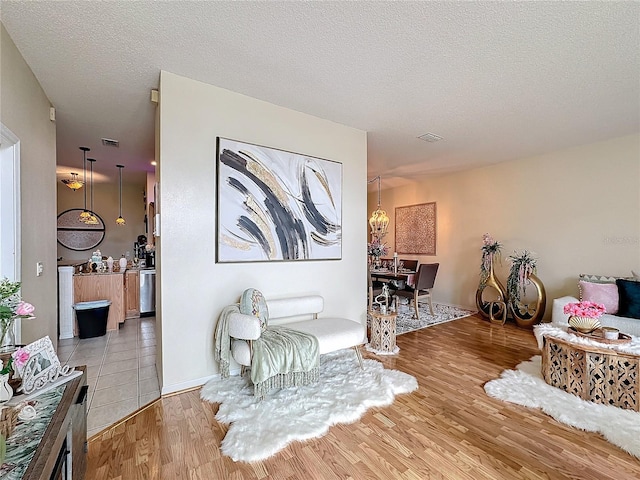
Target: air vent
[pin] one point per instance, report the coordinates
(107, 142)
(430, 137)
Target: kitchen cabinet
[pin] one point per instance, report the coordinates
(132, 293)
(102, 286)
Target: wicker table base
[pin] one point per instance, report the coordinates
(597, 374)
(383, 333)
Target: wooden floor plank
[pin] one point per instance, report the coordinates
(449, 428)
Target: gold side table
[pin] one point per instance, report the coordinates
(383, 333)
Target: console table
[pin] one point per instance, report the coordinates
(61, 451)
(597, 374)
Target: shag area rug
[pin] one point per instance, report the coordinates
(259, 429)
(405, 322)
(525, 386)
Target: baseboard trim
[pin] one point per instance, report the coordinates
(192, 384)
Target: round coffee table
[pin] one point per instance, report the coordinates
(383, 333)
(594, 373)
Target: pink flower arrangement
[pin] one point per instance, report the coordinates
(25, 309)
(19, 357)
(584, 309)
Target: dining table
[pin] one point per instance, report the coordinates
(388, 275)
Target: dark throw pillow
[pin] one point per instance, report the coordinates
(629, 292)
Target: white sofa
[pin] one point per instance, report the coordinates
(298, 313)
(624, 324)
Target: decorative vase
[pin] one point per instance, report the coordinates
(123, 264)
(495, 310)
(584, 324)
(7, 334)
(527, 315)
(6, 392)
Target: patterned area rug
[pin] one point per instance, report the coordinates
(406, 322)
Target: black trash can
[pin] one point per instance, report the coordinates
(92, 318)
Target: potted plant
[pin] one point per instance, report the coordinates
(490, 251)
(523, 273)
(523, 265)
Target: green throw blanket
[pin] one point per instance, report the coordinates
(282, 357)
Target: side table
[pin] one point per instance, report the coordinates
(383, 333)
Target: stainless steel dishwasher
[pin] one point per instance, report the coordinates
(147, 291)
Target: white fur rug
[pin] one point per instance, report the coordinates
(259, 429)
(525, 386)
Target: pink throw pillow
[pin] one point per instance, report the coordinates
(605, 293)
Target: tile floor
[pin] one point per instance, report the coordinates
(121, 370)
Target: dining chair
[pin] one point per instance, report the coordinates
(410, 265)
(425, 280)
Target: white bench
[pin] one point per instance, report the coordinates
(298, 313)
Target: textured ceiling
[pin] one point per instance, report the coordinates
(497, 80)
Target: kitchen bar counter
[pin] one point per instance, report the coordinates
(102, 286)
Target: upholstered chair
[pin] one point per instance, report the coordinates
(410, 264)
(425, 280)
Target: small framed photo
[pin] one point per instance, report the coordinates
(42, 367)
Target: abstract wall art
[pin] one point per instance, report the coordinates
(276, 205)
(416, 229)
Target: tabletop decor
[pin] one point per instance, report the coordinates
(11, 308)
(19, 358)
(276, 205)
(42, 366)
(584, 315)
(377, 249)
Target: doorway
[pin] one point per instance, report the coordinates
(10, 211)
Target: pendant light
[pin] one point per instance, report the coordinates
(120, 220)
(85, 213)
(379, 220)
(74, 183)
(92, 220)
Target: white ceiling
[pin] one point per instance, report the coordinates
(497, 80)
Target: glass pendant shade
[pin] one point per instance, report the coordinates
(120, 220)
(92, 220)
(85, 214)
(74, 183)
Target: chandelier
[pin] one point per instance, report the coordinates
(120, 220)
(379, 221)
(74, 183)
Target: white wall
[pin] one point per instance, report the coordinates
(195, 288)
(578, 209)
(25, 111)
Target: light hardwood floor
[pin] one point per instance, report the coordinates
(449, 428)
